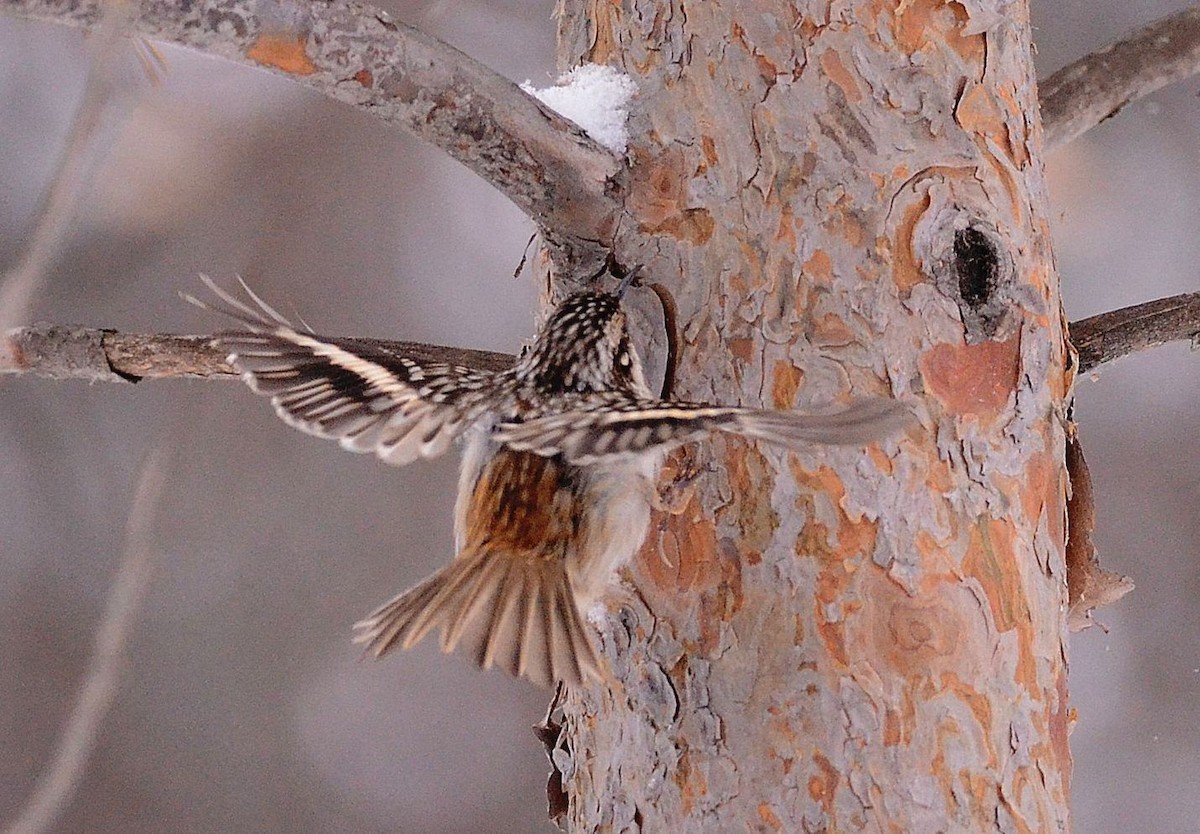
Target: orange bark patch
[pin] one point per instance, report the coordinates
(718, 607)
(1042, 489)
(753, 480)
(992, 560)
(785, 234)
(881, 460)
(768, 817)
(819, 267)
(919, 634)
(832, 330)
(916, 637)
(283, 52)
(607, 19)
(766, 69)
(853, 537)
(682, 567)
(979, 705)
(971, 48)
(898, 722)
(891, 728)
(843, 223)
(658, 198)
(693, 225)
(922, 22)
(743, 349)
(831, 585)
(836, 71)
(658, 192)
(1061, 718)
(687, 562)
(364, 77)
(972, 380)
(907, 272)
(979, 113)
(823, 479)
(691, 782)
(1016, 145)
(840, 552)
(787, 378)
(822, 787)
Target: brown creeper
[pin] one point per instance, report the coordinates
(558, 474)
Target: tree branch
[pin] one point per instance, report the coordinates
(19, 284)
(108, 356)
(56, 785)
(99, 355)
(1084, 93)
(1110, 336)
(357, 54)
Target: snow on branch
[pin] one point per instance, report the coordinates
(1084, 93)
(356, 54)
(595, 97)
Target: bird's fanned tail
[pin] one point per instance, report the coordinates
(515, 613)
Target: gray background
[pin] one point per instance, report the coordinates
(244, 708)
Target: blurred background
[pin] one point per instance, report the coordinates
(244, 708)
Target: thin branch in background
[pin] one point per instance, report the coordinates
(1084, 93)
(546, 165)
(56, 785)
(19, 285)
(1111, 335)
(96, 355)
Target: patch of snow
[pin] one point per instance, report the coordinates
(595, 97)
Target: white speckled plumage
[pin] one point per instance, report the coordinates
(561, 457)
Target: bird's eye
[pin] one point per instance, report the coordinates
(623, 360)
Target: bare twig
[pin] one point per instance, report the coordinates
(357, 54)
(1110, 336)
(21, 282)
(108, 356)
(55, 786)
(99, 355)
(1084, 93)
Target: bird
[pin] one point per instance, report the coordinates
(558, 478)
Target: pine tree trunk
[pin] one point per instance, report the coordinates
(842, 199)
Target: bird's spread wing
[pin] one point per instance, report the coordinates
(613, 425)
(369, 398)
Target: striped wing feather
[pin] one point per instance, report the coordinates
(370, 399)
(613, 425)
